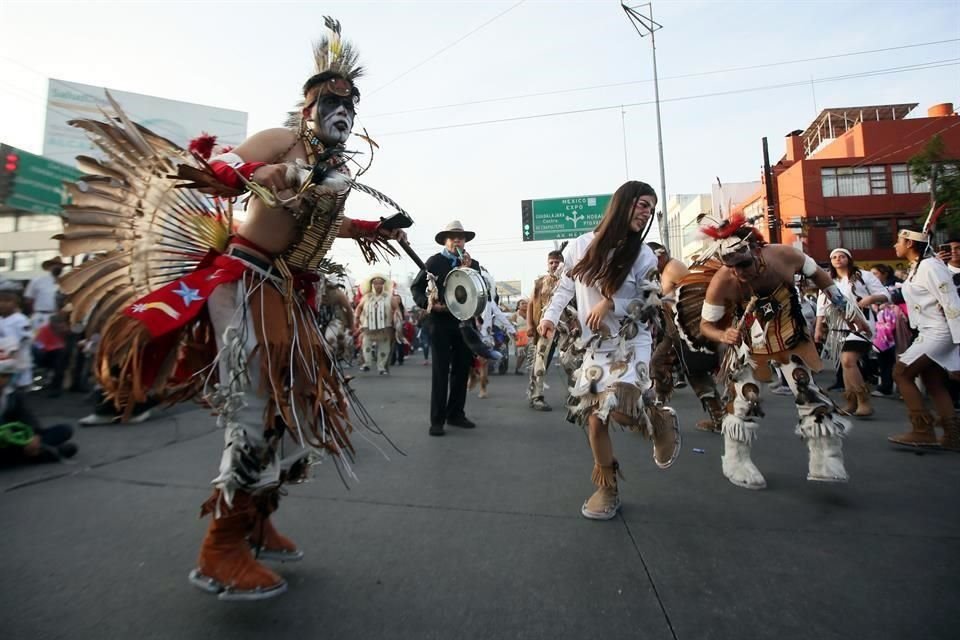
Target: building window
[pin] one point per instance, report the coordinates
(39, 223)
(828, 180)
(6, 261)
(857, 235)
(8, 224)
(878, 181)
(903, 181)
(853, 181)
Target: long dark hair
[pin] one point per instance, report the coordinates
(599, 267)
(853, 271)
(889, 279)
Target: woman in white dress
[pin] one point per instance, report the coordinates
(608, 271)
(865, 290)
(934, 311)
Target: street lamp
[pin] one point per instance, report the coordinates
(646, 25)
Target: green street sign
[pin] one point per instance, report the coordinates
(561, 218)
(35, 184)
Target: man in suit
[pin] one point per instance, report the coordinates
(451, 356)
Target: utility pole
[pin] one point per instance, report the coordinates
(647, 26)
(773, 220)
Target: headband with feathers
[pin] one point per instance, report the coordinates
(726, 228)
(330, 53)
(926, 234)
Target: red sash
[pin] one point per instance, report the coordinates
(173, 306)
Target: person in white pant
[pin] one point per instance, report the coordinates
(752, 305)
(933, 307)
(375, 317)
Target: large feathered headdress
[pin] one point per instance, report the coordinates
(729, 237)
(334, 56)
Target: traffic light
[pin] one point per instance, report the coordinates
(9, 162)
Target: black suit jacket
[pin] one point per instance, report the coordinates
(439, 265)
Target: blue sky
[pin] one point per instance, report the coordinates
(253, 56)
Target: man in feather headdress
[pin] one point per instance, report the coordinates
(231, 317)
(752, 306)
(375, 320)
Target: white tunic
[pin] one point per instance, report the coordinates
(43, 291)
(605, 354)
(934, 311)
(376, 312)
(870, 286)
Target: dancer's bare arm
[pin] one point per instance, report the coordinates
(721, 292)
(673, 272)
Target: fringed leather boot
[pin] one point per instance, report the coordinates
(921, 433)
(863, 402)
(270, 544)
(226, 565)
(951, 433)
(605, 501)
(716, 412)
(850, 395)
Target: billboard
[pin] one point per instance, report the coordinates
(177, 121)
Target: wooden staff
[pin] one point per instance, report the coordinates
(729, 355)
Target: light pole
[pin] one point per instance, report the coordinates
(646, 25)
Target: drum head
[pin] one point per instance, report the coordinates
(465, 293)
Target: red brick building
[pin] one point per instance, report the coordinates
(844, 181)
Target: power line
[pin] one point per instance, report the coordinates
(877, 72)
(449, 46)
(676, 77)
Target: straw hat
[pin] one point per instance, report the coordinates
(455, 227)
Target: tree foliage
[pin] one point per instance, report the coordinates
(931, 164)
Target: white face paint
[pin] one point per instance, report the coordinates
(335, 120)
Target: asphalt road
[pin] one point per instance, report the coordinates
(478, 534)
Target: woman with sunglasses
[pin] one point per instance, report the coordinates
(867, 290)
(608, 272)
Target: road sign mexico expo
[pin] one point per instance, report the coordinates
(561, 218)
